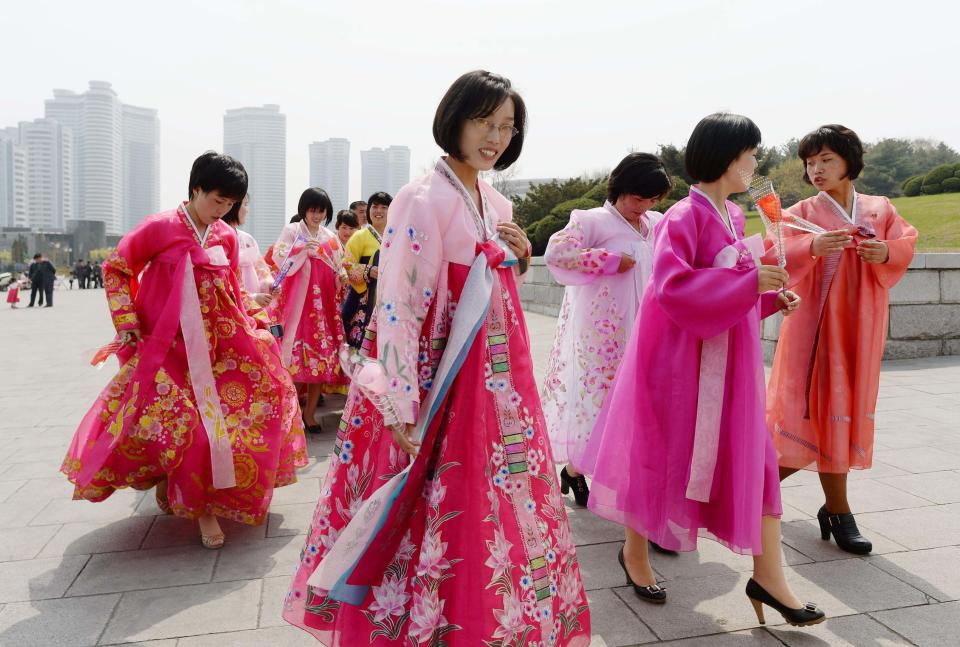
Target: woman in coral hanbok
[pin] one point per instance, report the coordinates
(826, 372)
(202, 407)
(469, 543)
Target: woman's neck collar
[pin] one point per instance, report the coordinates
(191, 211)
(716, 191)
(843, 195)
(464, 172)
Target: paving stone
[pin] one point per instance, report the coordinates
(845, 631)
(17, 514)
(712, 558)
(40, 491)
(753, 638)
(271, 603)
(38, 579)
(933, 571)
(938, 487)
(271, 557)
(168, 530)
(74, 622)
(920, 459)
(287, 636)
(929, 527)
(147, 643)
(119, 506)
(306, 490)
(24, 543)
(284, 520)
(34, 469)
(898, 439)
(9, 487)
(145, 569)
(612, 621)
(804, 537)
(588, 528)
(89, 538)
(185, 611)
(934, 625)
(851, 586)
(864, 497)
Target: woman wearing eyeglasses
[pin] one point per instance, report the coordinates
(469, 545)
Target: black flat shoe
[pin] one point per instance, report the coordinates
(660, 549)
(311, 429)
(844, 529)
(806, 615)
(655, 594)
(579, 484)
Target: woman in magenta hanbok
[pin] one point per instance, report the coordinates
(202, 408)
(308, 258)
(604, 256)
(681, 443)
(472, 545)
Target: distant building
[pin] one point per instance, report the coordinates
(384, 170)
(13, 179)
(330, 170)
(141, 164)
(48, 157)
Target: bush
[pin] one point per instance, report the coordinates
(932, 189)
(913, 185)
(598, 193)
(939, 174)
(951, 185)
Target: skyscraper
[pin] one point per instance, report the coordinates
(330, 170)
(141, 164)
(13, 179)
(384, 170)
(49, 173)
(258, 138)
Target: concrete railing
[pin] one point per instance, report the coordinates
(924, 307)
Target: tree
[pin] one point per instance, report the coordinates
(787, 178)
(673, 161)
(541, 198)
(18, 249)
(913, 186)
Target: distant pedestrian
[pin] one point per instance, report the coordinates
(46, 276)
(36, 287)
(13, 292)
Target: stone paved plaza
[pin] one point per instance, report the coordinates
(118, 572)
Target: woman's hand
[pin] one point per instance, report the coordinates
(873, 251)
(374, 272)
(515, 238)
(263, 299)
(789, 301)
(771, 277)
(830, 242)
(403, 436)
(626, 264)
(130, 337)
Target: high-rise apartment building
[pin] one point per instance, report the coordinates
(330, 170)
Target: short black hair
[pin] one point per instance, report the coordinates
(380, 197)
(478, 94)
(716, 142)
(233, 216)
(641, 174)
(841, 140)
(313, 198)
(348, 218)
(214, 171)
(37, 255)
(357, 203)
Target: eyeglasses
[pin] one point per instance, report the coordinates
(506, 131)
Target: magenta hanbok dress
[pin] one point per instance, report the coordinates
(681, 444)
(596, 317)
(480, 552)
(308, 306)
(203, 400)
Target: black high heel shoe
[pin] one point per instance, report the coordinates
(844, 530)
(805, 616)
(581, 493)
(660, 549)
(654, 594)
(310, 428)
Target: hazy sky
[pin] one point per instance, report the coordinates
(599, 78)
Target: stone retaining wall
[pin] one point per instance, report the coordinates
(924, 307)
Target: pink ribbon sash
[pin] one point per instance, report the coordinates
(713, 374)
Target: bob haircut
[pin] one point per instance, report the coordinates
(380, 197)
(716, 142)
(233, 216)
(841, 140)
(356, 204)
(348, 218)
(641, 174)
(213, 171)
(478, 94)
(313, 198)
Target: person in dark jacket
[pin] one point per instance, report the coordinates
(46, 276)
(35, 285)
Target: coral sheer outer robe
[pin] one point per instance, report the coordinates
(826, 372)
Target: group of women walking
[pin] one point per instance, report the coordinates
(442, 518)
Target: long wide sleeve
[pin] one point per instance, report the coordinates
(123, 266)
(570, 258)
(702, 300)
(409, 270)
(357, 272)
(901, 239)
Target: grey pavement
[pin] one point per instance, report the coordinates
(75, 573)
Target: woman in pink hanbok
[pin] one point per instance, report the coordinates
(604, 256)
(468, 544)
(202, 408)
(308, 256)
(681, 443)
(255, 275)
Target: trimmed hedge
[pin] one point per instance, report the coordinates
(932, 189)
(913, 185)
(939, 174)
(951, 185)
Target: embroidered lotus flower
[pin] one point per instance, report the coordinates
(510, 619)
(406, 549)
(435, 493)
(569, 591)
(499, 559)
(426, 615)
(389, 599)
(432, 561)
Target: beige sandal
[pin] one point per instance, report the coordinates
(163, 502)
(213, 542)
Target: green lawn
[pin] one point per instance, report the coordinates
(937, 217)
